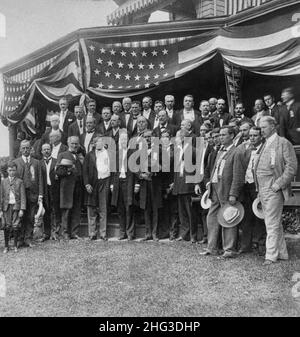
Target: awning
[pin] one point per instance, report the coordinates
(131, 6)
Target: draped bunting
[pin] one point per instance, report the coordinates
(123, 69)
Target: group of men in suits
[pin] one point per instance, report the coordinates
(86, 153)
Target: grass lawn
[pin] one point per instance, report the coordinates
(83, 278)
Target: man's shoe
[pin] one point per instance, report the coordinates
(54, 237)
(205, 253)
(155, 238)
(93, 238)
(130, 238)
(28, 244)
(147, 238)
(244, 251)
(229, 255)
(103, 238)
(5, 251)
(268, 262)
(123, 237)
(171, 238)
(203, 241)
(75, 237)
(193, 241)
(180, 238)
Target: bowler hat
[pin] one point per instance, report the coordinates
(257, 209)
(231, 215)
(66, 162)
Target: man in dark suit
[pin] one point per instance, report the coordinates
(126, 113)
(115, 129)
(87, 138)
(239, 113)
(252, 227)
(66, 117)
(205, 114)
(147, 112)
(274, 109)
(71, 188)
(182, 189)
(77, 128)
(164, 125)
(223, 190)
(29, 170)
(52, 216)
(158, 106)
(188, 112)
(150, 193)
(220, 116)
(132, 121)
(212, 105)
(91, 111)
(96, 177)
(122, 188)
(290, 117)
(170, 104)
(105, 126)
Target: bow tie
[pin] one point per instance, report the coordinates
(135, 118)
(127, 112)
(47, 160)
(90, 131)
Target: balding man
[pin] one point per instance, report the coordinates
(28, 169)
(274, 171)
(56, 144)
(54, 126)
(170, 104)
(126, 102)
(164, 125)
(212, 105)
(259, 109)
(66, 117)
(78, 126)
(71, 188)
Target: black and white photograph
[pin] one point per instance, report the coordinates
(150, 161)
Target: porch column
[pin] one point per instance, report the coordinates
(12, 135)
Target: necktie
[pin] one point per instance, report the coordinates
(47, 160)
(80, 124)
(27, 179)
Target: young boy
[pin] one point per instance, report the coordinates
(12, 205)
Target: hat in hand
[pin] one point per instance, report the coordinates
(205, 200)
(257, 209)
(230, 216)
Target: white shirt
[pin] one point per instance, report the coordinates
(146, 113)
(181, 153)
(249, 172)
(62, 117)
(122, 170)
(80, 128)
(115, 131)
(103, 165)
(156, 122)
(106, 124)
(12, 199)
(220, 164)
(55, 150)
(48, 171)
(189, 115)
(258, 117)
(88, 138)
(170, 113)
(26, 159)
